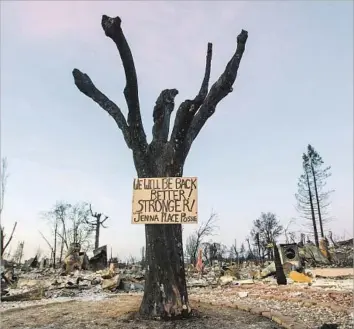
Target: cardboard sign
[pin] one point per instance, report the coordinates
(165, 200)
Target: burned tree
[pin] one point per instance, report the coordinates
(319, 176)
(195, 239)
(3, 244)
(75, 230)
(305, 197)
(52, 253)
(279, 271)
(96, 225)
(3, 176)
(53, 217)
(165, 286)
(17, 257)
(235, 253)
(265, 230)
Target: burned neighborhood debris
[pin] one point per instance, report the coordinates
(99, 259)
(95, 278)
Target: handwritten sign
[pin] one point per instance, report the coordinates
(167, 200)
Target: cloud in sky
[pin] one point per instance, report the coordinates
(294, 87)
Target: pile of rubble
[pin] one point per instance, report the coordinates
(50, 283)
(81, 276)
(77, 276)
(297, 261)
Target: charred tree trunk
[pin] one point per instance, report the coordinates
(258, 247)
(165, 292)
(55, 243)
(96, 224)
(3, 245)
(312, 211)
(317, 200)
(2, 250)
(97, 233)
(279, 271)
(62, 245)
(165, 283)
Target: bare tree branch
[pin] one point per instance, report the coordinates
(9, 240)
(193, 242)
(112, 28)
(106, 217)
(162, 114)
(45, 239)
(84, 83)
(63, 240)
(90, 207)
(220, 89)
(207, 228)
(96, 224)
(188, 108)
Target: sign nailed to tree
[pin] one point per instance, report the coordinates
(167, 200)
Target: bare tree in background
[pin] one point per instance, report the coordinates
(288, 234)
(131, 260)
(292, 237)
(195, 239)
(17, 257)
(77, 230)
(142, 251)
(266, 229)
(305, 198)
(234, 251)
(52, 217)
(50, 247)
(96, 225)
(39, 252)
(250, 254)
(60, 211)
(69, 224)
(7, 253)
(242, 252)
(163, 157)
(319, 176)
(4, 175)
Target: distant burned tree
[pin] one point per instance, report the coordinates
(250, 254)
(131, 260)
(319, 176)
(266, 229)
(52, 253)
(213, 251)
(96, 224)
(17, 257)
(143, 261)
(165, 285)
(68, 226)
(242, 252)
(196, 238)
(54, 218)
(4, 243)
(235, 252)
(39, 252)
(312, 200)
(77, 231)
